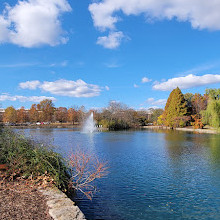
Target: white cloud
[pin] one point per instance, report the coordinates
(202, 14)
(77, 88)
(107, 88)
(32, 23)
(63, 87)
(186, 82)
(8, 97)
(32, 85)
(145, 80)
(155, 103)
(111, 41)
(150, 100)
(136, 86)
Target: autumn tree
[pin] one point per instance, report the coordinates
(199, 103)
(10, 115)
(72, 115)
(22, 115)
(46, 108)
(175, 109)
(33, 113)
(61, 114)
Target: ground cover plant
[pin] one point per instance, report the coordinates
(30, 160)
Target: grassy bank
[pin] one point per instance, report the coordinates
(27, 159)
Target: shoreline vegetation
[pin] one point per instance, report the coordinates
(24, 159)
(206, 129)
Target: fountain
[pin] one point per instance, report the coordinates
(89, 125)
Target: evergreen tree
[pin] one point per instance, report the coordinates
(175, 109)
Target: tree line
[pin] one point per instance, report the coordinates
(181, 110)
(115, 116)
(191, 109)
(45, 111)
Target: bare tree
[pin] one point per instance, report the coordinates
(85, 169)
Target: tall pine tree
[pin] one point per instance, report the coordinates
(176, 107)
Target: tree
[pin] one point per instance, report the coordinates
(213, 93)
(72, 115)
(155, 113)
(33, 113)
(211, 115)
(176, 107)
(199, 103)
(188, 97)
(22, 115)
(10, 115)
(46, 108)
(61, 114)
(85, 169)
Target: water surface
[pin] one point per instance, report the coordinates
(152, 174)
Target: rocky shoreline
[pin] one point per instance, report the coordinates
(22, 200)
(60, 206)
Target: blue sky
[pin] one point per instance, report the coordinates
(91, 52)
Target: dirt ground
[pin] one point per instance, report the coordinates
(21, 201)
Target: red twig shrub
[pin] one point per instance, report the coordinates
(85, 169)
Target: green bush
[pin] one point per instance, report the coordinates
(27, 158)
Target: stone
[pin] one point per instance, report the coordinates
(60, 206)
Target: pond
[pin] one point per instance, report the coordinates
(152, 174)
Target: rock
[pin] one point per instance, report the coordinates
(60, 206)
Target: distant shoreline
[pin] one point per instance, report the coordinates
(205, 130)
(156, 127)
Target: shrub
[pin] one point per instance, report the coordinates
(26, 158)
(197, 122)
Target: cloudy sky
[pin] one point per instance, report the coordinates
(93, 51)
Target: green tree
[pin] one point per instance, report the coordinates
(175, 109)
(155, 113)
(213, 93)
(211, 115)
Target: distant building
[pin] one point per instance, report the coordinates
(2, 111)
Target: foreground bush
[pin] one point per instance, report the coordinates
(27, 159)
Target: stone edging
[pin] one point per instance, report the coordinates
(60, 206)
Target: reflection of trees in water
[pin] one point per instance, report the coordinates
(215, 148)
(183, 143)
(190, 148)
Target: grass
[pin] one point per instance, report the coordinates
(26, 159)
